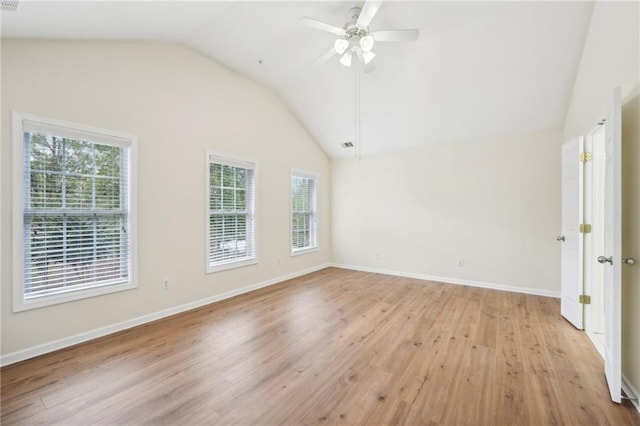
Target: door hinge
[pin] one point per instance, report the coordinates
(585, 156)
(584, 299)
(585, 228)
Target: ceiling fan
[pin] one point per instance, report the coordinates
(355, 38)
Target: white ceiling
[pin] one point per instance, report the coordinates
(479, 70)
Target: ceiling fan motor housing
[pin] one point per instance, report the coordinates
(354, 13)
(354, 33)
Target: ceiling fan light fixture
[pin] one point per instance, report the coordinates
(341, 45)
(366, 43)
(368, 56)
(346, 58)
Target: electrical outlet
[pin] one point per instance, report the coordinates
(164, 283)
(378, 256)
(461, 262)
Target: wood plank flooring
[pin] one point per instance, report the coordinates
(332, 347)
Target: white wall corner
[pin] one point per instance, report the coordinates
(631, 391)
(458, 281)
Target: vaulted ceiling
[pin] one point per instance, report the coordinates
(479, 70)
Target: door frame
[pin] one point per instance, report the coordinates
(572, 242)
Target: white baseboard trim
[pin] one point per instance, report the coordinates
(447, 280)
(110, 329)
(597, 341)
(631, 392)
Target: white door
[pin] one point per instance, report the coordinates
(594, 171)
(612, 256)
(571, 283)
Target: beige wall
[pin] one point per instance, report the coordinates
(179, 104)
(494, 204)
(611, 58)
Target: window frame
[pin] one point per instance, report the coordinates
(305, 175)
(214, 157)
(93, 134)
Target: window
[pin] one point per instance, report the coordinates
(231, 237)
(303, 212)
(73, 217)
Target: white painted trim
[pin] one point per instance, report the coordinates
(459, 281)
(631, 391)
(230, 160)
(100, 135)
(17, 234)
(299, 252)
(304, 174)
(316, 191)
(71, 296)
(110, 329)
(597, 343)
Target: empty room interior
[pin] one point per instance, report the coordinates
(310, 212)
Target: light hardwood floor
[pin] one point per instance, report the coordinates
(335, 346)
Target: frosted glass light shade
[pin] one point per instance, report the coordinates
(367, 56)
(346, 59)
(341, 45)
(366, 43)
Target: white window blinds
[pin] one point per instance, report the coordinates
(231, 213)
(303, 211)
(76, 210)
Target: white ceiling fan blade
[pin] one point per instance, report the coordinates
(396, 35)
(368, 12)
(325, 57)
(367, 66)
(319, 25)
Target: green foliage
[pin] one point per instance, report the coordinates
(66, 172)
(229, 220)
(302, 190)
(67, 247)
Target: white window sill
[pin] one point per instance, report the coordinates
(298, 252)
(230, 265)
(54, 299)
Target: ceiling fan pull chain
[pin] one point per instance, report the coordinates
(357, 113)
